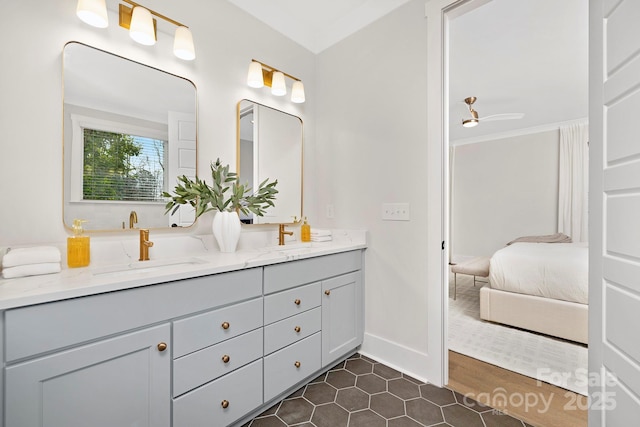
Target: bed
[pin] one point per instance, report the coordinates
(542, 287)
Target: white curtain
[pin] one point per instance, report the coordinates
(574, 181)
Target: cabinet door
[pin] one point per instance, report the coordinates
(342, 321)
(121, 381)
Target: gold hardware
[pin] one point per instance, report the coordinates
(225, 404)
(133, 219)
(327, 292)
(281, 233)
(145, 244)
(226, 358)
(297, 329)
(162, 346)
(297, 302)
(225, 325)
(297, 364)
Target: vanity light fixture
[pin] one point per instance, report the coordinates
(261, 74)
(140, 23)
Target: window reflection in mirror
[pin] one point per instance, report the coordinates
(270, 147)
(129, 132)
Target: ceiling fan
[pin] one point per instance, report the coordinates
(474, 119)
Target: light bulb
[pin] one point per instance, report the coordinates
(297, 92)
(255, 77)
(278, 87)
(142, 30)
(93, 12)
(183, 44)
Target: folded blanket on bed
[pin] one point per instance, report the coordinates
(549, 238)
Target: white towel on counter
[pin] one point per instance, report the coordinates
(34, 255)
(319, 232)
(321, 238)
(31, 270)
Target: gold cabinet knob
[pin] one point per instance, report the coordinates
(224, 404)
(162, 346)
(297, 302)
(226, 358)
(225, 325)
(297, 364)
(327, 292)
(297, 329)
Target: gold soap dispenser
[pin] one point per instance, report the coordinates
(78, 246)
(305, 231)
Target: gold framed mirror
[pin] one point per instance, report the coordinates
(129, 131)
(270, 146)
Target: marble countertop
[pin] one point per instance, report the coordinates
(114, 266)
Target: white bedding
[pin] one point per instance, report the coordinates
(551, 270)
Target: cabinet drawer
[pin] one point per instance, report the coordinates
(281, 334)
(287, 275)
(45, 327)
(287, 303)
(203, 330)
(280, 370)
(208, 364)
(241, 390)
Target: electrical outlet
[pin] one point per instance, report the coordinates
(396, 212)
(330, 213)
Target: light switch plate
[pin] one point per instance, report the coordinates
(396, 212)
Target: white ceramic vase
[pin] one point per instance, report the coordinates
(226, 229)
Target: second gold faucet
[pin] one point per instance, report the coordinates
(145, 244)
(281, 233)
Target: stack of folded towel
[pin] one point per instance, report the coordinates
(33, 261)
(320, 235)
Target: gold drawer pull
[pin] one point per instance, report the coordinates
(226, 358)
(297, 302)
(297, 329)
(162, 346)
(224, 404)
(225, 325)
(327, 292)
(297, 364)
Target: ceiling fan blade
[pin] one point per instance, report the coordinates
(504, 116)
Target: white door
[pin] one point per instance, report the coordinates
(614, 277)
(182, 161)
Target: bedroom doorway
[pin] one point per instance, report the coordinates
(481, 343)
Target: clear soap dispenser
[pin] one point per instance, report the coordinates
(305, 231)
(78, 246)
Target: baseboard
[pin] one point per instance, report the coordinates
(396, 356)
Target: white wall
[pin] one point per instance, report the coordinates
(503, 189)
(226, 40)
(371, 149)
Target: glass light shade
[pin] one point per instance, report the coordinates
(469, 123)
(297, 92)
(278, 87)
(255, 77)
(141, 29)
(93, 12)
(183, 44)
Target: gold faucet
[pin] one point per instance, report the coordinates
(281, 233)
(133, 218)
(145, 244)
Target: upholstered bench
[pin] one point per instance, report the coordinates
(476, 267)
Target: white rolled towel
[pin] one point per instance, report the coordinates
(318, 232)
(31, 270)
(321, 238)
(33, 255)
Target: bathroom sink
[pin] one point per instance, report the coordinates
(139, 267)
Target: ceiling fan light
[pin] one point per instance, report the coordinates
(469, 123)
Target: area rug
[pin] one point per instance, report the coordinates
(555, 361)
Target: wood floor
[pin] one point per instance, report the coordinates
(536, 403)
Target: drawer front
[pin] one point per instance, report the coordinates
(45, 327)
(203, 330)
(280, 370)
(241, 390)
(287, 275)
(281, 334)
(212, 362)
(287, 303)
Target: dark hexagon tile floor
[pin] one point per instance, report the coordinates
(361, 392)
